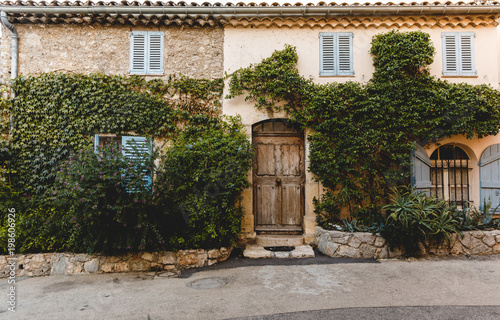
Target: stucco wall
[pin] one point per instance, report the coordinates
(194, 52)
(260, 43)
(249, 45)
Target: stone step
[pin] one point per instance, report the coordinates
(279, 240)
(256, 252)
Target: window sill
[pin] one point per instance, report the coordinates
(342, 76)
(459, 76)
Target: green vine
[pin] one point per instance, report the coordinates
(56, 113)
(362, 134)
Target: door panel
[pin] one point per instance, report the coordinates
(267, 198)
(265, 162)
(278, 179)
(291, 205)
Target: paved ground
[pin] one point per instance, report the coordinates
(318, 288)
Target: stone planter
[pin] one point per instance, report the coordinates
(367, 245)
(45, 264)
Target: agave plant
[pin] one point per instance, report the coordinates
(415, 219)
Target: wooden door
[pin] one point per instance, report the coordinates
(278, 178)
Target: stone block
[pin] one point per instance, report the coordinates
(379, 241)
(58, 264)
(214, 254)
(187, 259)
(477, 234)
(354, 242)
(150, 256)
(281, 254)
(91, 266)
(81, 257)
(457, 249)
(167, 258)
(331, 248)
(366, 237)
(497, 238)
(367, 251)
(342, 240)
(122, 267)
(489, 240)
(37, 261)
(347, 251)
(140, 265)
(256, 252)
(478, 246)
(305, 251)
(113, 259)
(107, 267)
(496, 248)
(466, 240)
(322, 243)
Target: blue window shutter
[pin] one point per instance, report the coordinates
(138, 47)
(327, 54)
(467, 65)
(336, 56)
(136, 148)
(344, 47)
(458, 54)
(96, 143)
(155, 52)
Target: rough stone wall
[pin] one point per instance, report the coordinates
(194, 52)
(44, 264)
(367, 245)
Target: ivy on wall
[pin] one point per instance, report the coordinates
(362, 134)
(55, 113)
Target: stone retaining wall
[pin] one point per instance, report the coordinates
(367, 245)
(44, 264)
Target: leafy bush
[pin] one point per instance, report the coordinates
(415, 219)
(107, 196)
(201, 179)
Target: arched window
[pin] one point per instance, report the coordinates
(450, 174)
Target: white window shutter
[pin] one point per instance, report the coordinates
(345, 54)
(327, 54)
(146, 52)
(467, 67)
(136, 148)
(138, 46)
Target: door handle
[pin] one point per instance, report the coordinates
(278, 181)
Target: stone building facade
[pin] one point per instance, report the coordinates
(206, 40)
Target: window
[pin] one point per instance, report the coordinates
(146, 52)
(335, 54)
(458, 54)
(133, 147)
(450, 175)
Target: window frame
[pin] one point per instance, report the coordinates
(335, 38)
(459, 54)
(146, 50)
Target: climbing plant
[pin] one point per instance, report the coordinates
(362, 134)
(55, 113)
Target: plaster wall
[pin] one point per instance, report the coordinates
(245, 46)
(194, 52)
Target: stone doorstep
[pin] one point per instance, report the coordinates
(257, 252)
(279, 240)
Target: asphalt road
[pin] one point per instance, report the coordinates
(318, 288)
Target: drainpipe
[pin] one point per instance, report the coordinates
(13, 54)
(14, 45)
